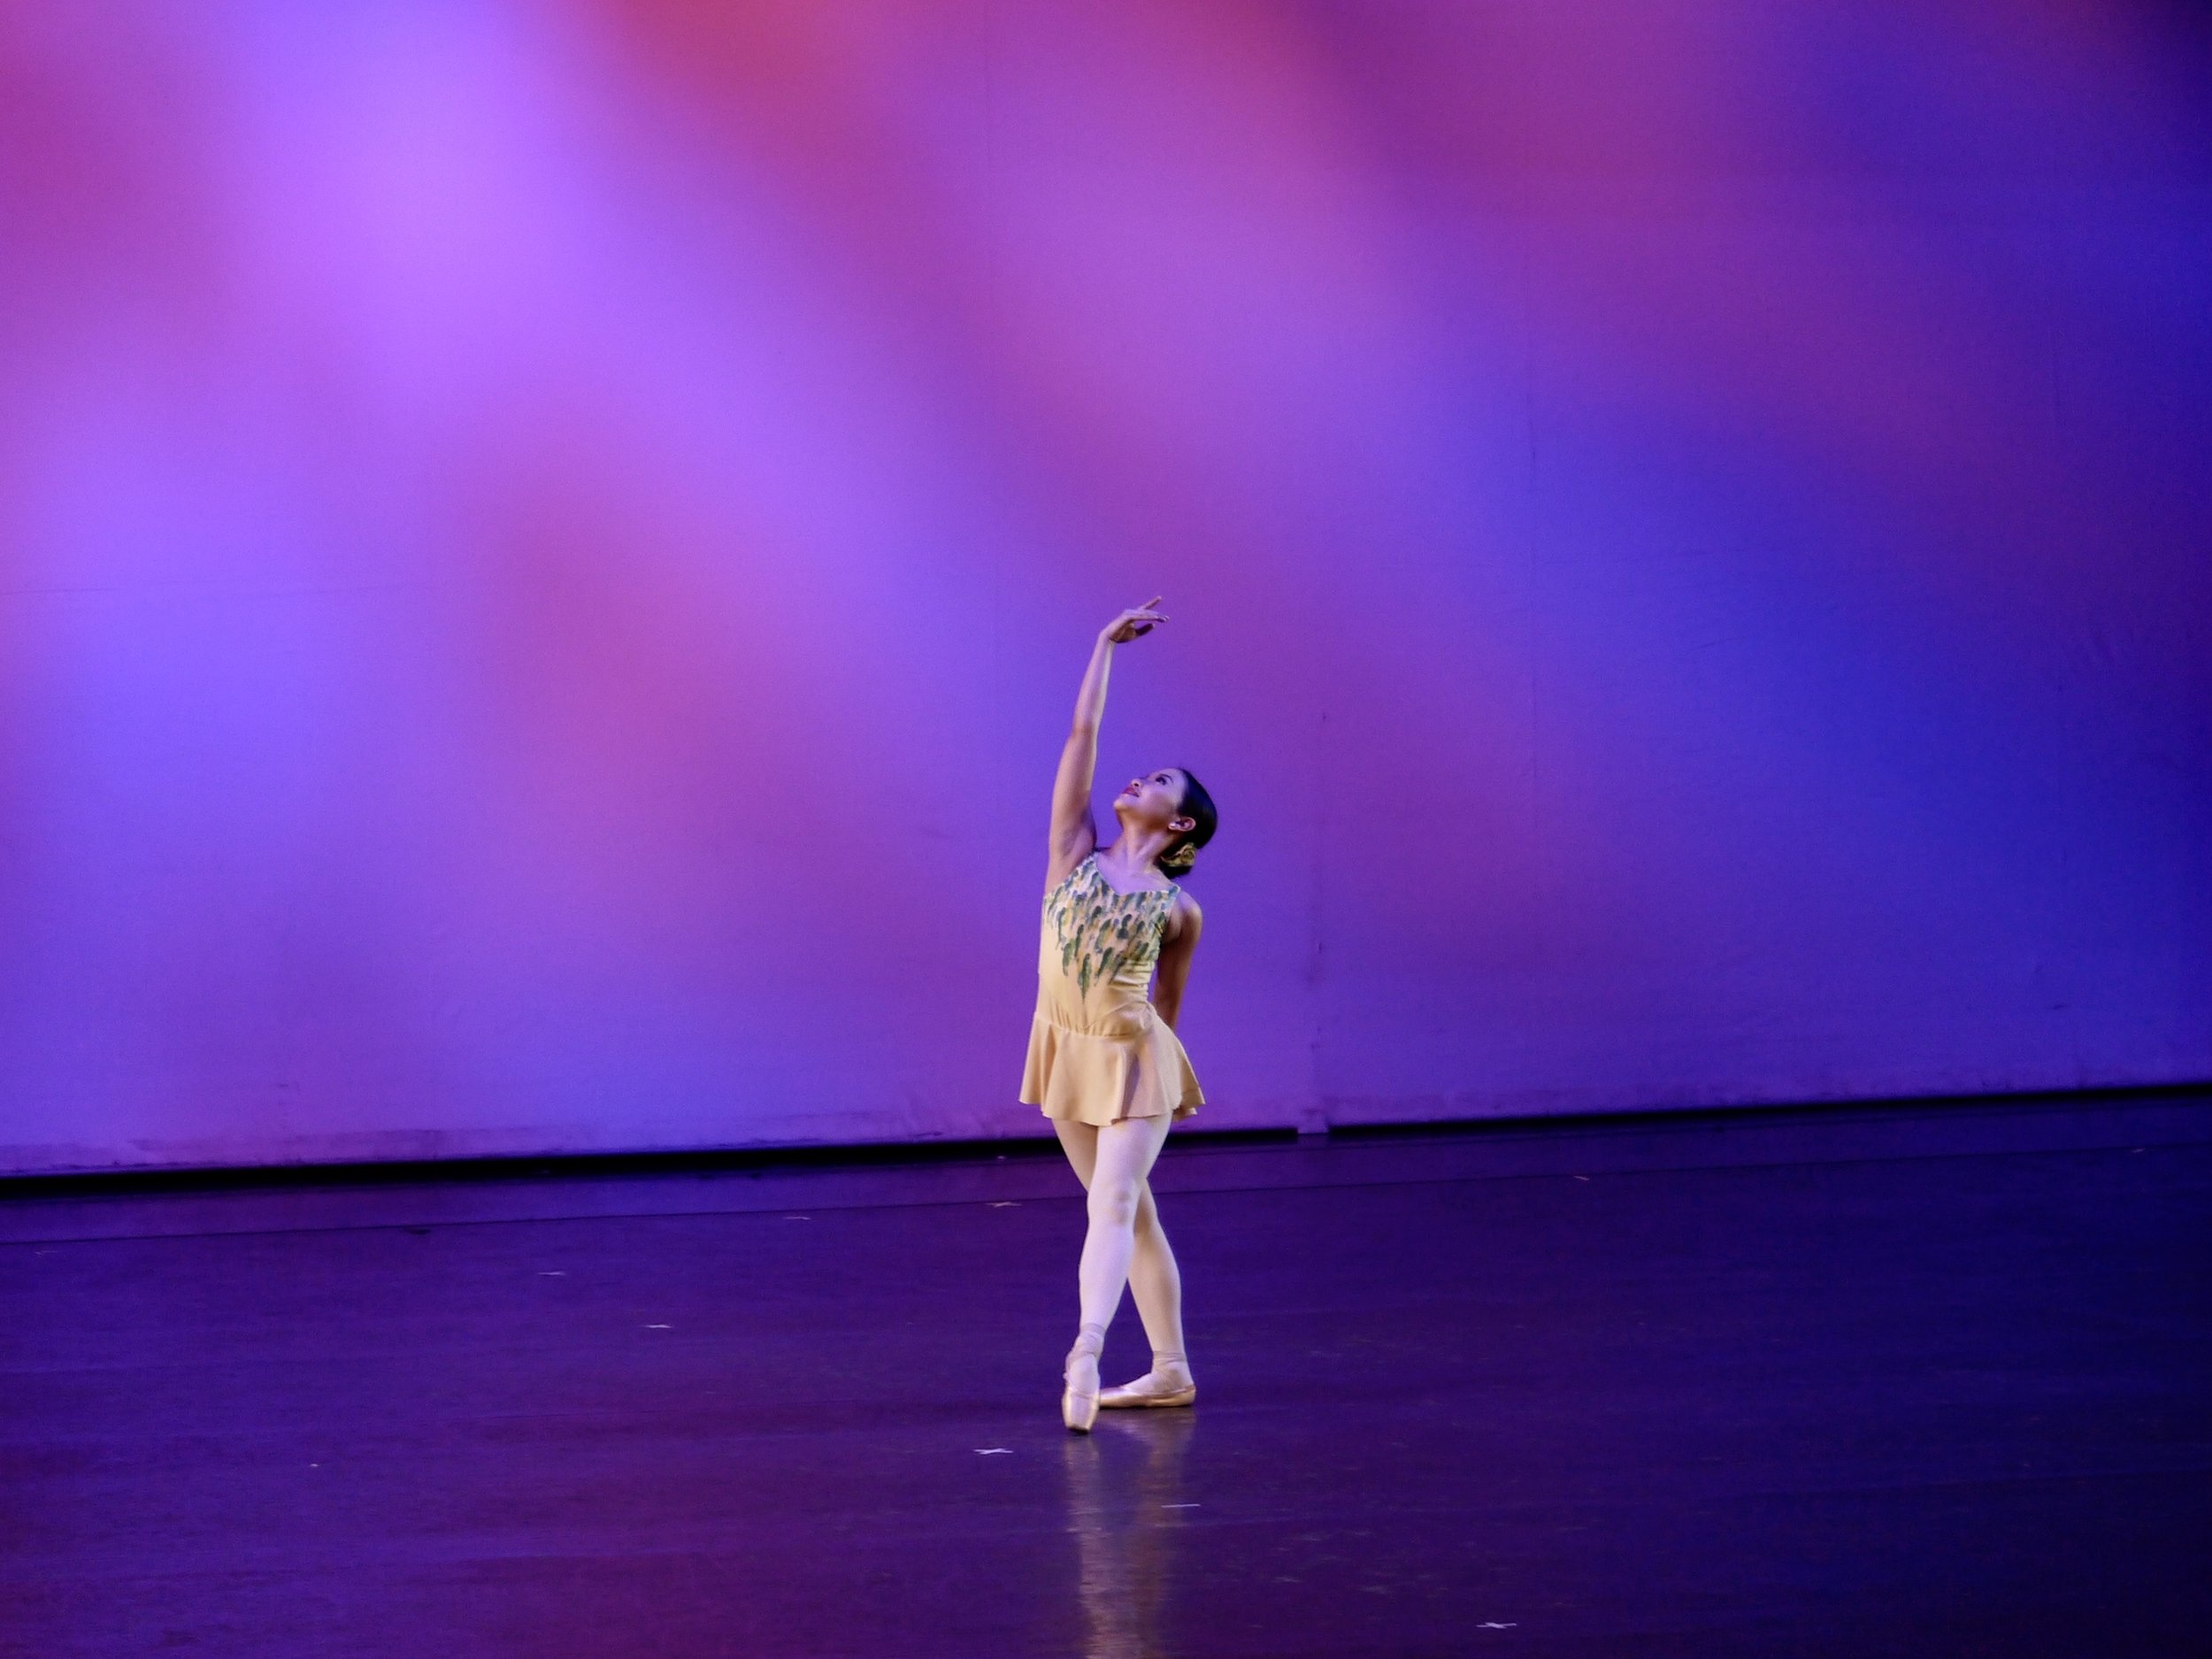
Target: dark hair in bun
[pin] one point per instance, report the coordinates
(1197, 804)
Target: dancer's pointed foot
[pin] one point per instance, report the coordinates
(1078, 1399)
(1168, 1383)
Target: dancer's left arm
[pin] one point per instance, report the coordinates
(1173, 969)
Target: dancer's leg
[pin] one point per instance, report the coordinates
(1155, 1283)
(1079, 1141)
(1124, 1158)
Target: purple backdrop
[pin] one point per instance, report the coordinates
(549, 545)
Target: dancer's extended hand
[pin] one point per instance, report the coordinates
(1138, 620)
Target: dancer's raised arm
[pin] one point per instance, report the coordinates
(1073, 834)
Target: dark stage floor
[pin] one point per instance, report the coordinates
(1872, 1382)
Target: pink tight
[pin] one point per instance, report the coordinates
(1124, 1242)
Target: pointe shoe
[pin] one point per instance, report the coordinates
(1148, 1390)
(1078, 1399)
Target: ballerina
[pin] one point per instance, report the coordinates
(1105, 1063)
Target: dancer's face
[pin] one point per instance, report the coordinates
(1151, 802)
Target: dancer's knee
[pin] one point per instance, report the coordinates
(1113, 1200)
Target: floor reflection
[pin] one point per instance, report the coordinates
(1126, 1508)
